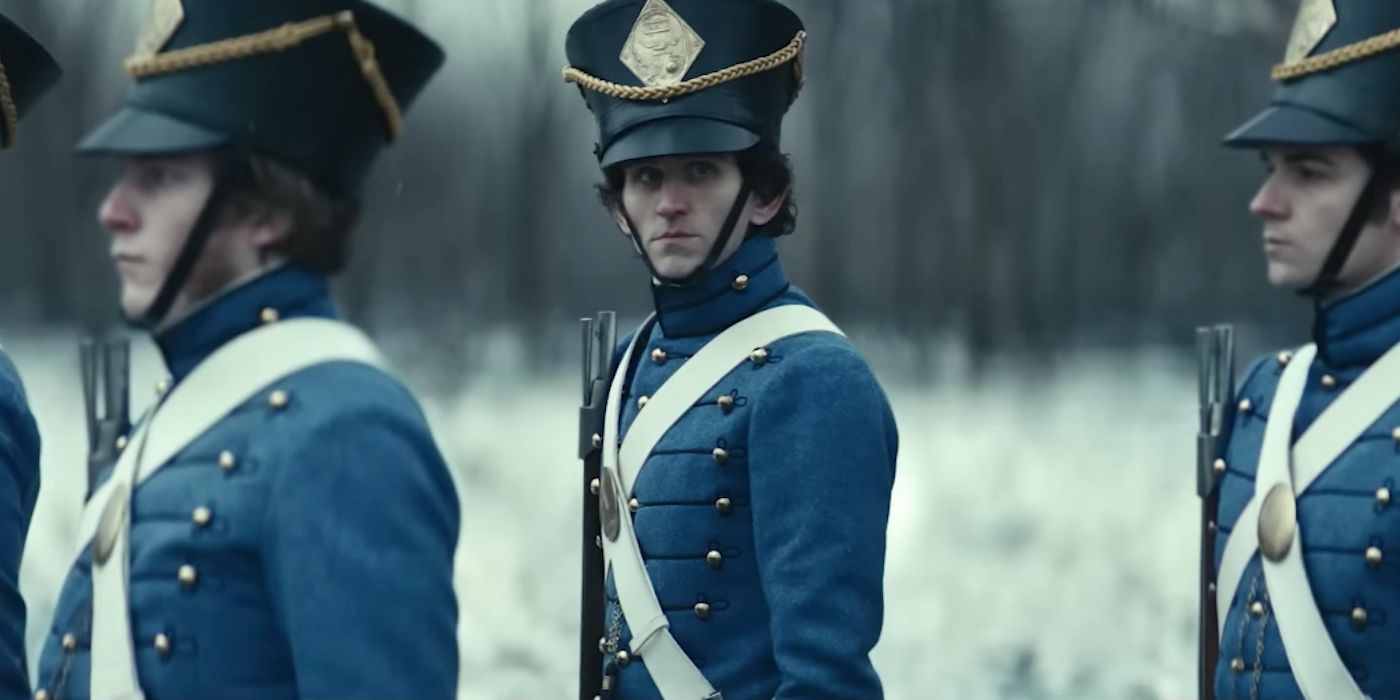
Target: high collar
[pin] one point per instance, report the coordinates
(1357, 329)
(735, 289)
(286, 292)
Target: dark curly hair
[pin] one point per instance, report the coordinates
(322, 222)
(767, 170)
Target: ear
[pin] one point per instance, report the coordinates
(620, 220)
(268, 227)
(764, 212)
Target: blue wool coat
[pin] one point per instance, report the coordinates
(296, 552)
(1348, 510)
(761, 514)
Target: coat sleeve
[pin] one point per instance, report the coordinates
(19, 488)
(822, 461)
(359, 553)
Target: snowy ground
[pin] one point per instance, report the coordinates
(1041, 544)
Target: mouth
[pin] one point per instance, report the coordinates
(126, 260)
(675, 236)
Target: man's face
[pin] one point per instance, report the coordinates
(679, 204)
(1305, 202)
(150, 212)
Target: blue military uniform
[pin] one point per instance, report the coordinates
(761, 514)
(301, 551)
(297, 541)
(19, 488)
(29, 72)
(1350, 524)
(1308, 603)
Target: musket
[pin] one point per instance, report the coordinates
(599, 339)
(1215, 361)
(106, 366)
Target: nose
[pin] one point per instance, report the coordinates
(116, 214)
(672, 203)
(1270, 203)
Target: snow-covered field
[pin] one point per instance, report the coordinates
(1041, 545)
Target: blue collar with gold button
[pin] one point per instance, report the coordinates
(286, 292)
(734, 290)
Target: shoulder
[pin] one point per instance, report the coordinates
(341, 401)
(1259, 381)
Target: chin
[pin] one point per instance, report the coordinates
(1287, 277)
(134, 303)
(673, 268)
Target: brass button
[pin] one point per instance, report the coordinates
(1358, 617)
(714, 559)
(70, 642)
(1256, 609)
(278, 399)
(740, 283)
(721, 455)
(269, 315)
(162, 386)
(1329, 381)
(594, 486)
(597, 440)
(1211, 526)
(1285, 357)
(725, 403)
(1219, 466)
(658, 356)
(759, 356)
(634, 504)
(602, 645)
(1373, 557)
(1395, 435)
(163, 644)
(1237, 665)
(121, 442)
(642, 401)
(623, 658)
(723, 505)
(202, 516)
(1383, 496)
(188, 576)
(41, 694)
(1246, 406)
(227, 461)
(702, 611)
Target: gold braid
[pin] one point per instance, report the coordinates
(1338, 57)
(10, 110)
(791, 52)
(275, 40)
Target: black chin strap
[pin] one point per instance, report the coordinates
(190, 252)
(1329, 277)
(726, 232)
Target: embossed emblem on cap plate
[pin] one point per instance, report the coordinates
(166, 16)
(662, 46)
(1315, 19)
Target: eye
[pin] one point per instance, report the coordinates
(701, 170)
(645, 176)
(153, 176)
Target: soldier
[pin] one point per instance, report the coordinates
(1305, 542)
(281, 523)
(748, 450)
(26, 72)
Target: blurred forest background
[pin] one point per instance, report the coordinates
(1010, 174)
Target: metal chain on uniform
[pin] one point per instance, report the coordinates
(8, 107)
(1338, 57)
(1257, 676)
(792, 53)
(276, 40)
